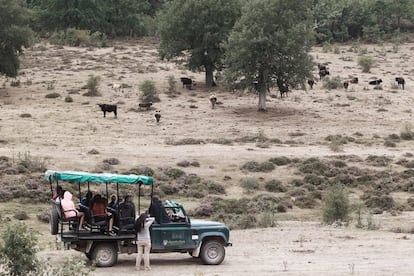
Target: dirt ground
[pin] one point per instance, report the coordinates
(62, 133)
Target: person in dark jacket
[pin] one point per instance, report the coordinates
(157, 210)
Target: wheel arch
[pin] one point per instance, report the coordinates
(208, 237)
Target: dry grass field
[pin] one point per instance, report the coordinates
(362, 137)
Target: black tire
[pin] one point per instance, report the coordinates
(212, 252)
(54, 221)
(105, 255)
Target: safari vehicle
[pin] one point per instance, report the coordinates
(178, 233)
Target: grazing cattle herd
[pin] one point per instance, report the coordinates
(281, 82)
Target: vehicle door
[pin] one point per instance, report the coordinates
(173, 235)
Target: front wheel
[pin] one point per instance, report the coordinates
(212, 253)
(105, 255)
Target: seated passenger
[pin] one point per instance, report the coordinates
(127, 210)
(113, 203)
(58, 194)
(157, 210)
(87, 201)
(100, 213)
(69, 209)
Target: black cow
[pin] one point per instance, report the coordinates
(145, 105)
(157, 116)
(354, 80)
(108, 108)
(213, 100)
(321, 66)
(311, 83)
(187, 82)
(346, 84)
(400, 81)
(323, 73)
(375, 82)
(283, 87)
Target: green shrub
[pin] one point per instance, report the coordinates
(407, 132)
(332, 83)
(366, 63)
(313, 179)
(336, 205)
(313, 165)
(76, 37)
(17, 251)
(379, 161)
(21, 215)
(148, 92)
(172, 86)
(249, 183)
(280, 161)
(380, 201)
(254, 166)
(306, 201)
(15, 83)
(52, 95)
(68, 99)
(174, 173)
(92, 86)
(275, 186)
(186, 141)
(221, 141)
(266, 219)
(30, 163)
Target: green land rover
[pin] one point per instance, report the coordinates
(175, 232)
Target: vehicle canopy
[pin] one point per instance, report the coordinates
(105, 178)
(82, 177)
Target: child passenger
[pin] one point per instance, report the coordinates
(142, 226)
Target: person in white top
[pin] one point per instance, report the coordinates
(142, 226)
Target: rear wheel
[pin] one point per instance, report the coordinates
(105, 255)
(53, 221)
(212, 252)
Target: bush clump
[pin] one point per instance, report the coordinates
(17, 250)
(407, 133)
(379, 161)
(92, 86)
(53, 95)
(174, 173)
(149, 92)
(254, 166)
(332, 83)
(21, 215)
(313, 165)
(366, 63)
(275, 186)
(336, 205)
(280, 160)
(249, 183)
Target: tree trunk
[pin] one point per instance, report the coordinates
(209, 76)
(262, 89)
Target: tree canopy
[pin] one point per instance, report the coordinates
(196, 29)
(14, 34)
(269, 45)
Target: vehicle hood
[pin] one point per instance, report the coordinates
(206, 223)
